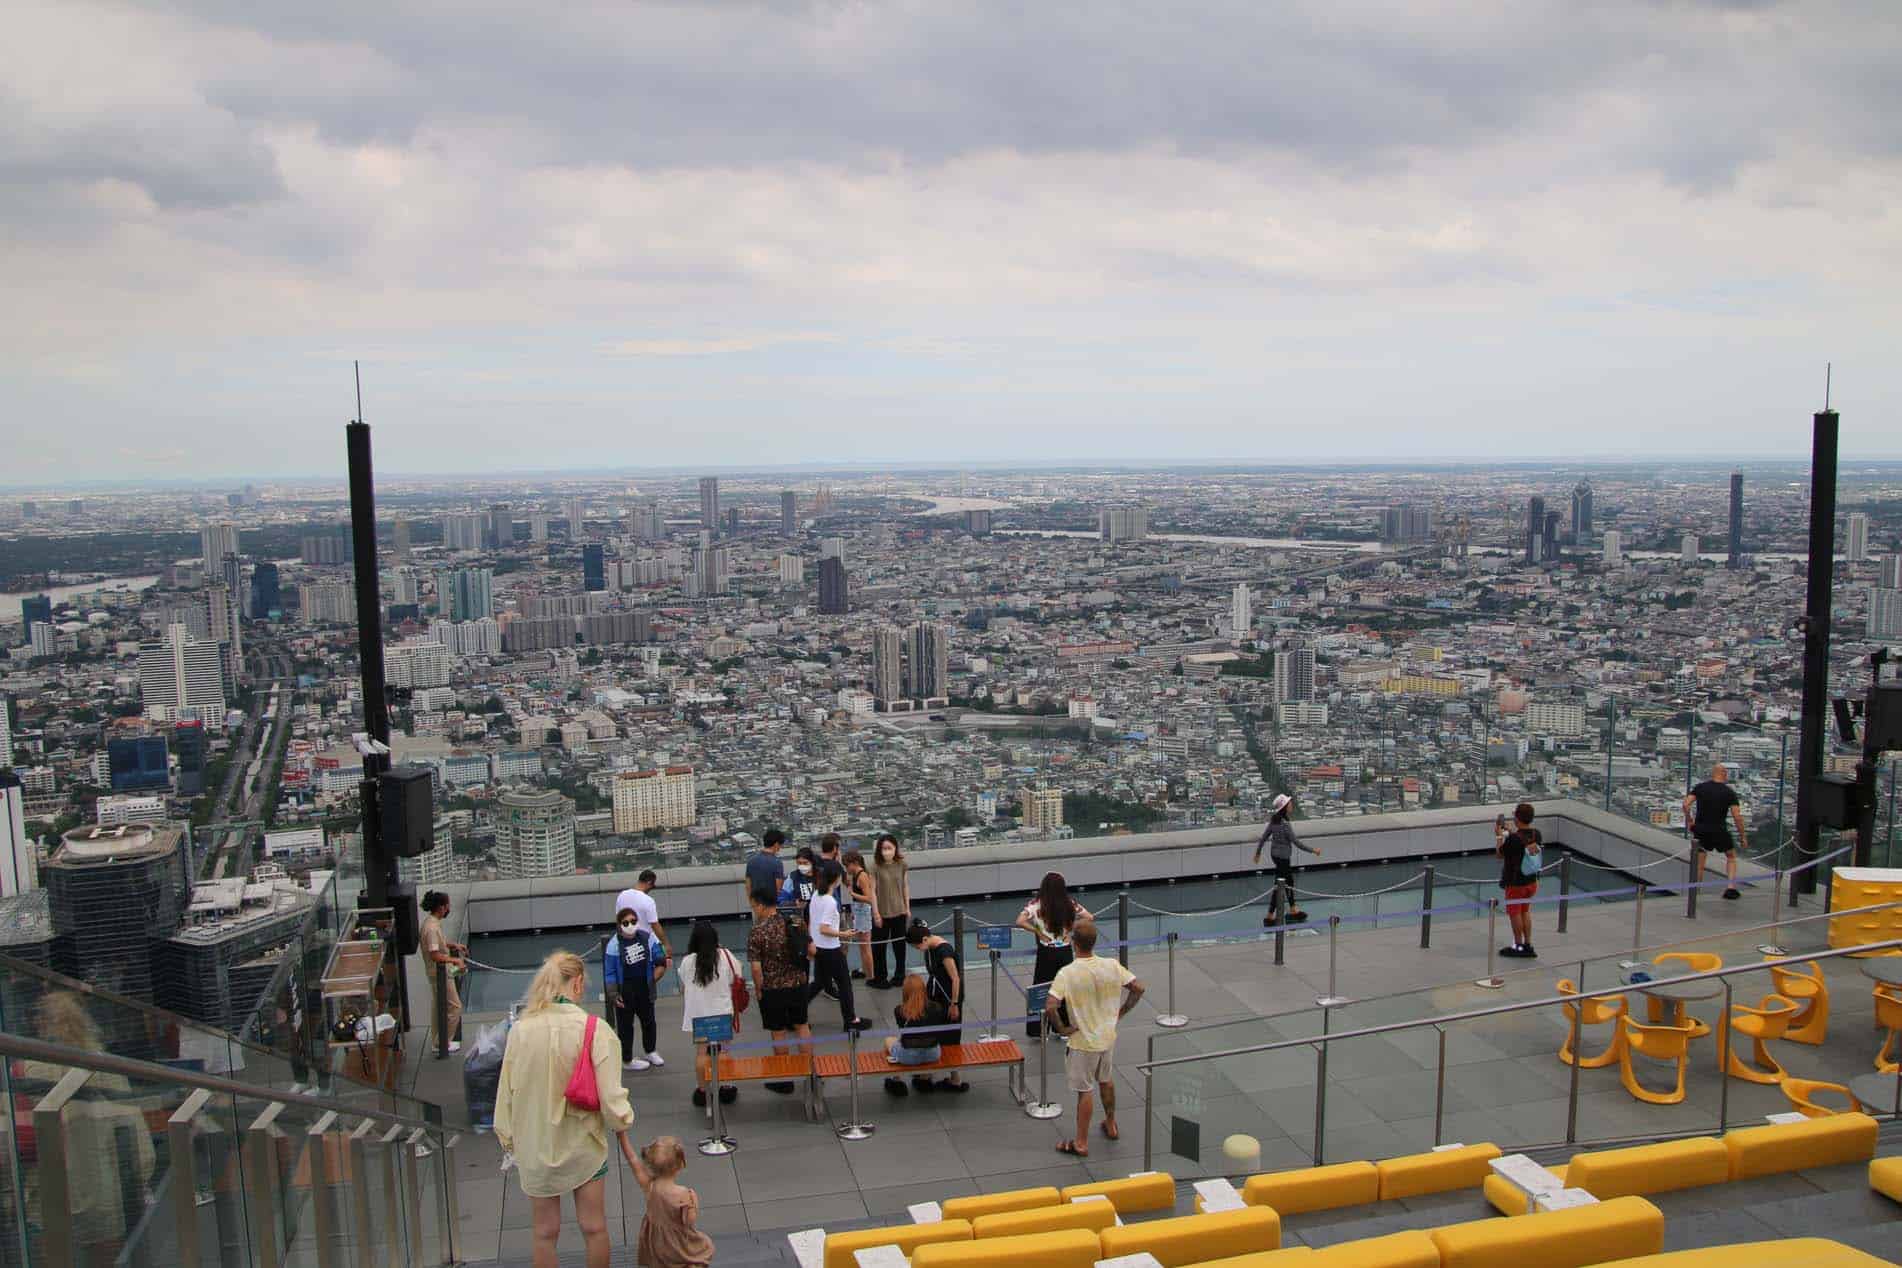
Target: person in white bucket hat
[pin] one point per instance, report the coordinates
(1281, 841)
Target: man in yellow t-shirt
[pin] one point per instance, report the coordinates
(1095, 993)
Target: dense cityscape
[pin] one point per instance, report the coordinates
(604, 674)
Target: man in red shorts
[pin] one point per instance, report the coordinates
(1512, 847)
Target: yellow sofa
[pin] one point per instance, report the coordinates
(1438, 1172)
(1069, 1248)
(1814, 1142)
(1792, 1252)
(1193, 1239)
(1314, 1188)
(1153, 1192)
(976, 1204)
(841, 1247)
(1620, 1228)
(1413, 1249)
(1094, 1216)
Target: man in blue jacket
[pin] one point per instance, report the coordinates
(630, 961)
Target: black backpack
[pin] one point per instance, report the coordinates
(798, 942)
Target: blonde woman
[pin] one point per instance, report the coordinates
(559, 1149)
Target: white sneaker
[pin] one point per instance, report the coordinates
(455, 1046)
(635, 1064)
(653, 1058)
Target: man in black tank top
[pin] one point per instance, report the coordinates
(1709, 810)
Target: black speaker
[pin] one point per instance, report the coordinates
(407, 814)
(1835, 801)
(409, 934)
(1883, 721)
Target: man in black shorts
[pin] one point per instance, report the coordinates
(779, 979)
(1709, 810)
(944, 978)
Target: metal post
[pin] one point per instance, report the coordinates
(451, 1217)
(1320, 1092)
(1637, 921)
(1571, 1104)
(1565, 890)
(262, 1185)
(1426, 910)
(1611, 742)
(1723, 1076)
(1172, 1019)
(1149, 1113)
(991, 1032)
(1439, 1091)
(1888, 848)
(719, 1142)
(1333, 996)
(1696, 878)
(361, 1211)
(184, 1178)
(854, 1128)
(1783, 763)
(1281, 922)
(1122, 928)
(1492, 981)
(323, 1213)
(442, 1009)
(1043, 1106)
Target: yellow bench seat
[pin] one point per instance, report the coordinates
(1621, 1228)
(1413, 1249)
(1438, 1172)
(1885, 1177)
(1790, 1252)
(1659, 1168)
(1093, 1216)
(841, 1247)
(1153, 1192)
(1314, 1188)
(1068, 1248)
(973, 1205)
(1814, 1142)
(1194, 1239)
(1508, 1198)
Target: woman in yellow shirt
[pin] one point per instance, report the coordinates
(559, 1149)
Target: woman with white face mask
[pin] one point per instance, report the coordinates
(630, 961)
(891, 880)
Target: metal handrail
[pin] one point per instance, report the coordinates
(59, 1054)
(1496, 1010)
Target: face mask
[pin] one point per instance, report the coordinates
(885, 855)
(805, 869)
(629, 928)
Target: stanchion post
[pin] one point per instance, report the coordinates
(1426, 910)
(719, 1142)
(992, 1033)
(441, 1018)
(1565, 891)
(1172, 1019)
(1043, 1106)
(1122, 928)
(1637, 919)
(1333, 996)
(1571, 1101)
(1693, 879)
(1281, 922)
(855, 1128)
(1492, 981)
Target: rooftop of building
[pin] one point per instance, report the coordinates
(95, 845)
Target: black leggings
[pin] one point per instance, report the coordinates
(632, 1007)
(1284, 873)
(889, 936)
(829, 969)
(1049, 960)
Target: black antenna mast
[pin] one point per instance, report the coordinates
(356, 368)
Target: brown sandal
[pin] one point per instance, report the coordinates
(1111, 1133)
(1069, 1147)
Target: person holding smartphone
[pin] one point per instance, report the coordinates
(1513, 847)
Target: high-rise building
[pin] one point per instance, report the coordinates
(1241, 614)
(19, 857)
(792, 571)
(182, 679)
(35, 609)
(266, 591)
(462, 531)
(138, 762)
(1582, 513)
(1555, 717)
(1735, 559)
(189, 749)
(43, 640)
(788, 514)
(732, 521)
(326, 549)
(1122, 523)
(216, 543)
(1889, 572)
(594, 573)
(1405, 522)
(835, 597)
(832, 548)
(436, 866)
(465, 594)
(1549, 540)
(646, 524)
(534, 833)
(709, 571)
(927, 661)
(1041, 807)
(1614, 544)
(1885, 613)
(1688, 548)
(499, 531)
(1294, 673)
(1535, 530)
(221, 619)
(978, 523)
(417, 663)
(888, 664)
(6, 734)
(576, 513)
(406, 586)
(112, 893)
(399, 539)
(1856, 538)
(710, 503)
(538, 526)
(647, 799)
(327, 603)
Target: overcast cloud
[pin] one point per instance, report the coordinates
(631, 234)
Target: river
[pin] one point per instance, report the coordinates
(10, 603)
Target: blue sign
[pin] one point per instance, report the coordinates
(1036, 997)
(996, 937)
(717, 1029)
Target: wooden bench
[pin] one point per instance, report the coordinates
(956, 1056)
(772, 1067)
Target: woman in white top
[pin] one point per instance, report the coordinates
(707, 974)
(1049, 917)
(559, 1149)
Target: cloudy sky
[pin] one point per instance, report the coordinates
(586, 235)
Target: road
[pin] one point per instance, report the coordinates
(225, 854)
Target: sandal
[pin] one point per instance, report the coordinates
(946, 1085)
(1069, 1147)
(1111, 1133)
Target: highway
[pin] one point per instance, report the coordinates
(249, 767)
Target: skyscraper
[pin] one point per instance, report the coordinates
(834, 590)
(732, 521)
(1294, 673)
(135, 762)
(399, 539)
(462, 532)
(6, 735)
(1549, 542)
(888, 664)
(466, 594)
(501, 525)
(188, 746)
(1614, 548)
(710, 569)
(1535, 530)
(927, 661)
(19, 857)
(221, 612)
(710, 503)
(594, 575)
(1122, 523)
(1582, 513)
(35, 609)
(266, 592)
(534, 833)
(1885, 613)
(1241, 616)
(792, 571)
(1889, 572)
(182, 678)
(1404, 522)
(1856, 538)
(1735, 561)
(538, 526)
(216, 543)
(577, 517)
(648, 799)
(1687, 552)
(788, 514)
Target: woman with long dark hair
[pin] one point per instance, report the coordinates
(1049, 917)
(707, 974)
(891, 891)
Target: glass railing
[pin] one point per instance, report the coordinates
(1406, 1072)
(114, 1161)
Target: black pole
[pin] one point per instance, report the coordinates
(1822, 565)
(379, 869)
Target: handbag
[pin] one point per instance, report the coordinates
(582, 1092)
(742, 998)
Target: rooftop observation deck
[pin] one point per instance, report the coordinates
(1496, 1078)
